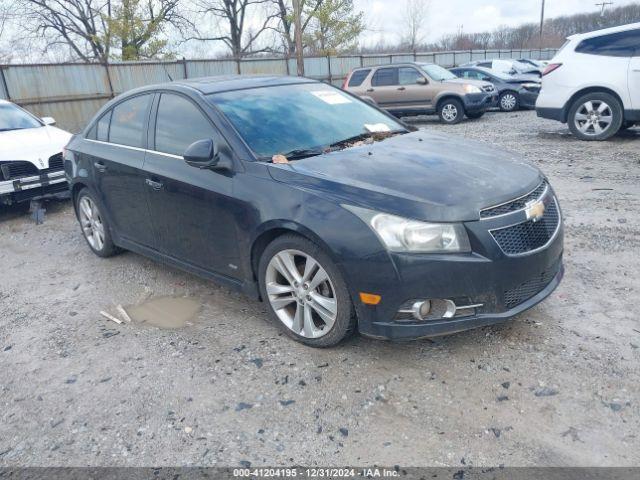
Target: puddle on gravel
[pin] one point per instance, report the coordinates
(165, 312)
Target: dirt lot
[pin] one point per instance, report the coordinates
(557, 386)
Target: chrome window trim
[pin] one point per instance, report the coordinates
(542, 195)
(530, 252)
(138, 149)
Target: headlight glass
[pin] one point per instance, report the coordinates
(404, 235)
(472, 89)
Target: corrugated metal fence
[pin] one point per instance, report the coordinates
(73, 92)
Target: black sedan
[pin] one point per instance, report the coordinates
(515, 91)
(325, 207)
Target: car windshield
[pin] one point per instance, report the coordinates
(300, 117)
(437, 73)
(14, 118)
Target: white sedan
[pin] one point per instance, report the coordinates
(31, 165)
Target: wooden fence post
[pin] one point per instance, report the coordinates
(5, 86)
(106, 69)
(184, 68)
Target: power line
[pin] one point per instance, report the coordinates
(603, 5)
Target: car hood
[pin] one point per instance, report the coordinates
(34, 145)
(426, 176)
(523, 78)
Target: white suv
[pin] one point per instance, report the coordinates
(593, 83)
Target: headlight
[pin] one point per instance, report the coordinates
(472, 89)
(404, 235)
(531, 86)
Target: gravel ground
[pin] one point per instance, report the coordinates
(554, 387)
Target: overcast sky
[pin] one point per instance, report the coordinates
(383, 17)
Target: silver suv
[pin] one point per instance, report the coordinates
(406, 89)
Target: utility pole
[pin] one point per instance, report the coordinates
(603, 5)
(298, 37)
(541, 22)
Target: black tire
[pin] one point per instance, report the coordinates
(597, 99)
(21, 207)
(345, 322)
(448, 106)
(107, 248)
(509, 101)
(475, 115)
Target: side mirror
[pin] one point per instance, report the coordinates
(48, 120)
(421, 81)
(202, 154)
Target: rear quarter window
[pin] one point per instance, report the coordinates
(621, 44)
(358, 77)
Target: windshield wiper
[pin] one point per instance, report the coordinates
(364, 136)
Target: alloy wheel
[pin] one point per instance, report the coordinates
(594, 117)
(91, 223)
(301, 293)
(508, 101)
(449, 112)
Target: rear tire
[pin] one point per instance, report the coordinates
(595, 116)
(94, 225)
(305, 292)
(509, 101)
(451, 111)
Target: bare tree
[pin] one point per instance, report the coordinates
(97, 30)
(236, 33)
(414, 19)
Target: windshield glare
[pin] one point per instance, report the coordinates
(14, 118)
(277, 120)
(437, 73)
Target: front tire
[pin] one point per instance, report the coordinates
(451, 111)
(509, 102)
(305, 292)
(94, 225)
(595, 116)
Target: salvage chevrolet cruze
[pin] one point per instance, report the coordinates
(325, 207)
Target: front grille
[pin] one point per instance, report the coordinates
(514, 205)
(21, 169)
(526, 290)
(529, 235)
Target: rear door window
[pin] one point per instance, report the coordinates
(385, 77)
(128, 120)
(179, 124)
(358, 77)
(621, 44)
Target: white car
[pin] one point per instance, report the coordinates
(510, 67)
(31, 165)
(593, 83)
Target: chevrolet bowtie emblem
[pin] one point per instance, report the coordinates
(535, 210)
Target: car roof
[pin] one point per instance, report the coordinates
(394, 64)
(226, 83)
(605, 31)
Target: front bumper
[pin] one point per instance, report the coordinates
(497, 284)
(528, 98)
(34, 187)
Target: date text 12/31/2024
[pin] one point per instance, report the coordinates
(318, 472)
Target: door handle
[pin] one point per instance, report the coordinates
(369, 90)
(101, 167)
(152, 184)
(401, 88)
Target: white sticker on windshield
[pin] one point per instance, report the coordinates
(377, 127)
(332, 98)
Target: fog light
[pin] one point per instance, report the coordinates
(421, 309)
